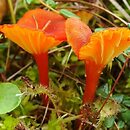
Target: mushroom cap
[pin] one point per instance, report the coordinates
(37, 31)
(50, 23)
(32, 41)
(77, 33)
(103, 46)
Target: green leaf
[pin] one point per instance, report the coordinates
(51, 3)
(74, 58)
(68, 13)
(99, 29)
(3, 46)
(32, 1)
(120, 124)
(54, 123)
(2, 70)
(65, 58)
(126, 116)
(29, 1)
(121, 58)
(103, 91)
(10, 97)
(109, 121)
(123, 109)
(127, 51)
(126, 101)
(118, 97)
(32, 73)
(10, 123)
(128, 25)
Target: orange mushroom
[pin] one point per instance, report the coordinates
(77, 33)
(36, 32)
(99, 49)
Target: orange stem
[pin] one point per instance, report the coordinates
(93, 72)
(42, 63)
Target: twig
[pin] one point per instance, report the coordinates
(101, 17)
(96, 6)
(113, 87)
(26, 66)
(116, 125)
(76, 80)
(19, 71)
(49, 7)
(60, 111)
(45, 113)
(73, 117)
(104, 19)
(58, 49)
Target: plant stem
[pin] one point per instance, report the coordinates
(42, 63)
(93, 73)
(10, 3)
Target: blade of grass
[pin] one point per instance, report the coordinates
(10, 3)
(122, 11)
(126, 3)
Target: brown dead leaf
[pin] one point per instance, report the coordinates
(3, 9)
(85, 16)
